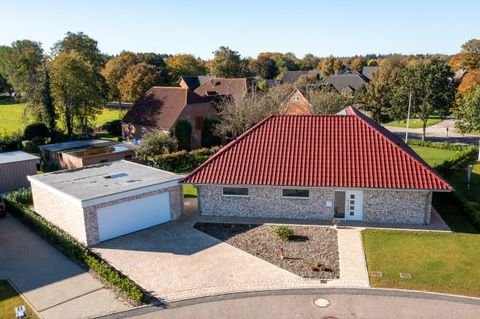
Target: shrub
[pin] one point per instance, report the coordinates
(10, 142)
(34, 130)
(30, 147)
(68, 245)
(183, 161)
(283, 232)
(114, 127)
(209, 139)
(183, 133)
(156, 143)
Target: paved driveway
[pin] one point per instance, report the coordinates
(52, 283)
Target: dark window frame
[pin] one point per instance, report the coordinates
(296, 193)
(231, 191)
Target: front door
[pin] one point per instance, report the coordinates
(354, 205)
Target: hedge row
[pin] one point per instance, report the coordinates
(17, 202)
(444, 146)
(183, 161)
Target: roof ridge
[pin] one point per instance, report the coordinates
(423, 164)
(230, 145)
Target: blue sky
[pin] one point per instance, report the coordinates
(320, 27)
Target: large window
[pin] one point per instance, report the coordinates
(295, 193)
(235, 191)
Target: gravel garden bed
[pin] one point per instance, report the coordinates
(311, 252)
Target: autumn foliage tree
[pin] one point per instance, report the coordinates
(469, 81)
(182, 65)
(265, 67)
(115, 69)
(138, 80)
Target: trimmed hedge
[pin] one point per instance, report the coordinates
(17, 202)
(183, 161)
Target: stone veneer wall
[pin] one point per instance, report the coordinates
(397, 207)
(265, 202)
(379, 206)
(91, 221)
(62, 212)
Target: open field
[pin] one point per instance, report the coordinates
(9, 300)
(13, 117)
(433, 156)
(414, 123)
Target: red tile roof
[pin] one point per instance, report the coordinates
(319, 151)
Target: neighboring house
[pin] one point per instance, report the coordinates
(318, 168)
(367, 71)
(162, 107)
(14, 168)
(193, 82)
(235, 88)
(77, 154)
(292, 76)
(296, 104)
(347, 83)
(100, 202)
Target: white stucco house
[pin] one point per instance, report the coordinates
(322, 167)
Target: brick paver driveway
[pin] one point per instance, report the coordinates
(176, 262)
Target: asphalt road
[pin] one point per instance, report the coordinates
(343, 303)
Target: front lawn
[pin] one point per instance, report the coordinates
(9, 300)
(439, 262)
(189, 191)
(414, 123)
(433, 156)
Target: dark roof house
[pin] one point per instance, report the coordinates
(347, 82)
(236, 88)
(339, 166)
(367, 71)
(193, 82)
(292, 76)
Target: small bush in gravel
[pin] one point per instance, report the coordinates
(283, 232)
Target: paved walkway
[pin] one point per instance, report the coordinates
(353, 267)
(54, 285)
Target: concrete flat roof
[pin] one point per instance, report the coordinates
(57, 147)
(102, 180)
(17, 156)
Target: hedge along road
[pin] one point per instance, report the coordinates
(342, 303)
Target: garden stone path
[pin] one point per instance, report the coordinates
(353, 267)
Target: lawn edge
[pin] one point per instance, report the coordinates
(22, 295)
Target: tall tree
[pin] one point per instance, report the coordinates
(226, 63)
(41, 102)
(5, 86)
(308, 62)
(471, 54)
(285, 61)
(81, 43)
(357, 64)
(115, 69)
(468, 111)
(265, 67)
(380, 90)
(326, 66)
(327, 101)
(469, 81)
(182, 65)
(431, 88)
(338, 65)
(20, 64)
(138, 80)
(78, 90)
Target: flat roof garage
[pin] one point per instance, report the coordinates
(100, 202)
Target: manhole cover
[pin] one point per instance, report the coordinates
(321, 302)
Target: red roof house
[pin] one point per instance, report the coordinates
(318, 167)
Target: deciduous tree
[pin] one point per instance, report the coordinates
(469, 81)
(183, 65)
(226, 63)
(326, 66)
(357, 64)
(156, 143)
(308, 62)
(468, 111)
(115, 69)
(138, 80)
(81, 43)
(327, 101)
(265, 67)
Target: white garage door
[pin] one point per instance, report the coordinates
(124, 218)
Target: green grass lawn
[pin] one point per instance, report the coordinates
(414, 123)
(433, 156)
(9, 299)
(12, 117)
(439, 262)
(189, 191)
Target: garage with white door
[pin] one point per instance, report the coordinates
(100, 202)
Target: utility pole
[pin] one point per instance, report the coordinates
(408, 116)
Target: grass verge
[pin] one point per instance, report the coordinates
(9, 300)
(414, 123)
(189, 191)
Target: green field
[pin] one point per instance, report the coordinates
(414, 123)
(9, 300)
(440, 262)
(13, 117)
(433, 156)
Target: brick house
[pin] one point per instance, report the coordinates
(296, 104)
(235, 88)
(341, 166)
(162, 107)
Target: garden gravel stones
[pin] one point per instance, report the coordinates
(307, 249)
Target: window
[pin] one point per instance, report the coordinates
(298, 193)
(296, 98)
(104, 161)
(235, 191)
